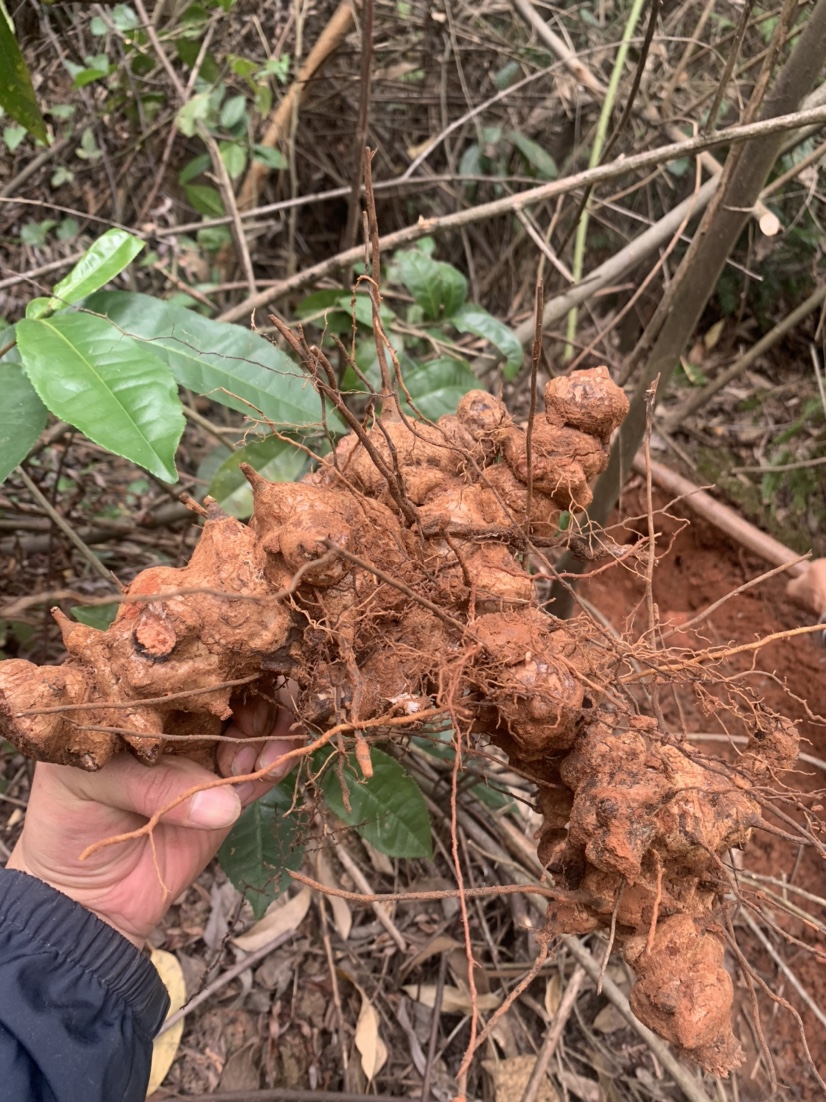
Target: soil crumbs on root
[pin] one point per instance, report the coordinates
(790, 677)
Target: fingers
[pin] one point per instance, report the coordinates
(127, 785)
(257, 717)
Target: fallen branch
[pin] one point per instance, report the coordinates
(614, 169)
(722, 517)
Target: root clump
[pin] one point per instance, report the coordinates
(393, 580)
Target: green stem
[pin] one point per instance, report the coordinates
(594, 159)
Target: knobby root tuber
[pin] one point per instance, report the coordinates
(394, 579)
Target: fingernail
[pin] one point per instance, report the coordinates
(243, 761)
(273, 752)
(214, 808)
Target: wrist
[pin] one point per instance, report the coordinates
(18, 863)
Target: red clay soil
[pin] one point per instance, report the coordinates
(701, 568)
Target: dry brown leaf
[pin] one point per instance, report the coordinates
(371, 1047)
(458, 964)
(553, 996)
(380, 861)
(454, 1000)
(342, 915)
(437, 945)
(283, 915)
(585, 1088)
(609, 1020)
(165, 1047)
(510, 1077)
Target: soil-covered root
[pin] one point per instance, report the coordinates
(683, 991)
(640, 828)
(393, 580)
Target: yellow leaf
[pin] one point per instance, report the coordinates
(372, 1048)
(165, 1047)
(553, 996)
(713, 335)
(282, 916)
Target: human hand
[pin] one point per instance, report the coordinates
(130, 885)
(810, 587)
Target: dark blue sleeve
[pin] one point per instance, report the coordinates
(79, 1005)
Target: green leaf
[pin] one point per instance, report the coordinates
(439, 744)
(234, 157)
(22, 415)
(189, 51)
(439, 288)
(193, 112)
(233, 111)
(105, 259)
(213, 238)
(334, 312)
(39, 308)
(272, 158)
(228, 363)
(95, 616)
(471, 162)
(13, 136)
(17, 96)
(89, 76)
(194, 168)
(276, 459)
(206, 200)
(476, 320)
(679, 167)
(437, 386)
(388, 810)
(492, 797)
(68, 229)
(34, 233)
(361, 307)
(507, 75)
(209, 466)
(535, 155)
(262, 846)
(319, 303)
(114, 389)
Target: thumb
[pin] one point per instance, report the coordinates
(127, 785)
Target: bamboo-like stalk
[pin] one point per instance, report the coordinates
(704, 261)
(594, 159)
